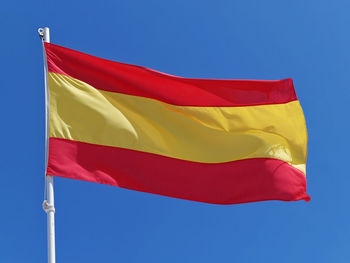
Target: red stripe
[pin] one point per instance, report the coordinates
(139, 81)
(240, 181)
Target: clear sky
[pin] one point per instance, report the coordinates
(251, 39)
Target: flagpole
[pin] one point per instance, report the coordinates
(48, 204)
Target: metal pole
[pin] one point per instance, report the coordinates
(50, 211)
(49, 204)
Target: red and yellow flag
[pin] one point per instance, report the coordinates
(213, 141)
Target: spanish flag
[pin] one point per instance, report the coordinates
(207, 140)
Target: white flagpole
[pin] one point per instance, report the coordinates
(48, 205)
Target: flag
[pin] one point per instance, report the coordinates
(207, 140)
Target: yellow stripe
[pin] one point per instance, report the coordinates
(82, 113)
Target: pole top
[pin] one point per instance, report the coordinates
(44, 34)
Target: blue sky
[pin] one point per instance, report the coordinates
(306, 40)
